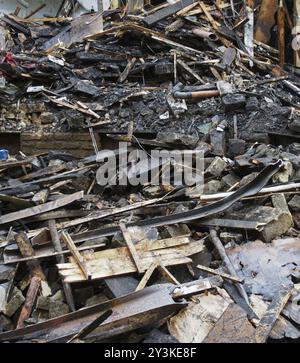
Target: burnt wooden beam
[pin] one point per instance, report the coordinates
(167, 11)
(76, 255)
(8, 20)
(29, 301)
(267, 322)
(130, 245)
(27, 251)
(61, 259)
(39, 209)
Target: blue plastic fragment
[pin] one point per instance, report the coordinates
(3, 154)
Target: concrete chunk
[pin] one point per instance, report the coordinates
(14, 303)
(217, 166)
(277, 221)
(294, 203)
(57, 308)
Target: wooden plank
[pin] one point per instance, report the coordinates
(60, 259)
(190, 71)
(193, 324)
(164, 272)
(41, 196)
(150, 245)
(38, 255)
(77, 256)
(267, 322)
(17, 202)
(127, 70)
(167, 11)
(49, 170)
(90, 327)
(249, 29)
(28, 252)
(153, 34)
(39, 209)
(74, 107)
(29, 301)
(82, 26)
(212, 21)
(186, 9)
(12, 164)
(130, 245)
(40, 20)
(221, 274)
(118, 261)
(9, 19)
(198, 10)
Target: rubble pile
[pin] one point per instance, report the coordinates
(135, 71)
(138, 261)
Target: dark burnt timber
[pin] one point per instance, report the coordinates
(167, 11)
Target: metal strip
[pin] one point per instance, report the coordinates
(248, 190)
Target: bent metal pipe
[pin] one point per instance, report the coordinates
(248, 190)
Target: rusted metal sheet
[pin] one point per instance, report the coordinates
(142, 308)
(129, 312)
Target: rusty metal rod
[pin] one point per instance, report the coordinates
(196, 95)
(221, 250)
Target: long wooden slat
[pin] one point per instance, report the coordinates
(142, 284)
(167, 11)
(77, 256)
(39, 209)
(131, 248)
(61, 259)
(221, 274)
(29, 302)
(267, 322)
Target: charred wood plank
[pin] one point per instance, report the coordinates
(60, 259)
(29, 301)
(267, 322)
(39, 209)
(167, 11)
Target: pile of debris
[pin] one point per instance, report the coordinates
(162, 70)
(84, 260)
